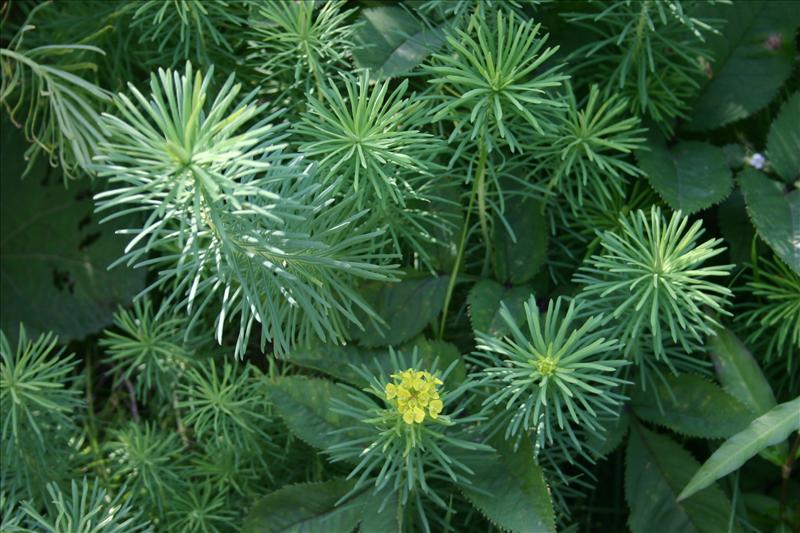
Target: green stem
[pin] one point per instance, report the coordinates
(477, 184)
(482, 218)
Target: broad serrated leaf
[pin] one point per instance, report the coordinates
(304, 404)
(689, 176)
(380, 513)
(604, 442)
(693, 406)
(445, 354)
(775, 214)
(406, 307)
(753, 57)
(338, 361)
(306, 507)
(767, 430)
(736, 228)
(484, 301)
(739, 372)
(783, 142)
(518, 256)
(656, 470)
(391, 41)
(509, 488)
(54, 256)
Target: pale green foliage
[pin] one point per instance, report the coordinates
(370, 136)
(149, 461)
(648, 278)
(588, 150)
(296, 41)
(651, 52)
(227, 208)
(201, 509)
(181, 30)
(491, 83)
(226, 406)
(38, 403)
(150, 350)
(557, 376)
(46, 86)
(86, 508)
(773, 320)
(396, 457)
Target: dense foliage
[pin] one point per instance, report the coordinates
(439, 265)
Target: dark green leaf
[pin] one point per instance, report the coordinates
(309, 507)
(407, 308)
(380, 513)
(736, 228)
(392, 42)
(657, 468)
(519, 256)
(484, 306)
(783, 142)
(692, 406)
(616, 427)
(510, 489)
(54, 256)
(753, 57)
(305, 406)
(739, 373)
(767, 430)
(689, 176)
(775, 214)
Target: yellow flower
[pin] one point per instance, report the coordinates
(412, 393)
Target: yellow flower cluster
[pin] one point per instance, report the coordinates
(412, 392)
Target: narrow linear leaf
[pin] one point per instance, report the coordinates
(768, 429)
(775, 214)
(783, 142)
(692, 406)
(739, 372)
(656, 469)
(307, 507)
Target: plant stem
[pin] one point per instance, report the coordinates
(786, 472)
(477, 184)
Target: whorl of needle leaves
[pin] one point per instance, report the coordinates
(296, 39)
(651, 52)
(649, 279)
(492, 81)
(44, 85)
(586, 155)
(370, 135)
(559, 376)
(237, 221)
(38, 401)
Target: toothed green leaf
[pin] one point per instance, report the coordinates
(510, 490)
(656, 470)
(783, 142)
(407, 308)
(304, 404)
(692, 406)
(690, 176)
(753, 57)
(775, 214)
(485, 300)
(306, 507)
(739, 373)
